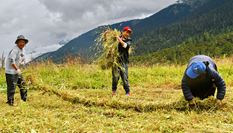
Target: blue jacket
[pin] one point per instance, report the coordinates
(211, 76)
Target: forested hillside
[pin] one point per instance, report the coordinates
(214, 46)
(214, 17)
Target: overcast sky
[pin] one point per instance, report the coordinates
(47, 22)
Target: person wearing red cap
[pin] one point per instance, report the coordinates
(123, 59)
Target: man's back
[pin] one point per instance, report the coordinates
(212, 65)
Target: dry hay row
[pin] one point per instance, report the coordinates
(181, 104)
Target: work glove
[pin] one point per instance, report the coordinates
(22, 63)
(18, 72)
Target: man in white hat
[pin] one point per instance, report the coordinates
(15, 59)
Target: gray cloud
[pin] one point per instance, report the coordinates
(41, 50)
(47, 22)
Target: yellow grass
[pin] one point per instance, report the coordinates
(77, 98)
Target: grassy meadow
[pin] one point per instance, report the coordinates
(76, 97)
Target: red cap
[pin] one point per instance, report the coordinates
(127, 28)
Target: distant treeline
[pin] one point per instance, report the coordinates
(215, 17)
(213, 46)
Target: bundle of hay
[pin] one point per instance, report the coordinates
(108, 48)
(209, 103)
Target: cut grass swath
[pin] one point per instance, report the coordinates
(125, 103)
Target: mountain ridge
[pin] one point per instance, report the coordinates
(80, 45)
(214, 20)
(167, 28)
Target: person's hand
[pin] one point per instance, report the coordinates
(118, 37)
(22, 63)
(18, 72)
(191, 102)
(106, 32)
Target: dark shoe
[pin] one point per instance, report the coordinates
(11, 104)
(25, 100)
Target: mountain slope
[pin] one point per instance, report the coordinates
(163, 18)
(167, 28)
(80, 45)
(215, 17)
(213, 46)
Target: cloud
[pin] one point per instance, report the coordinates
(41, 50)
(46, 22)
(101, 11)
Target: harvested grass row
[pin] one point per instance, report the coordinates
(181, 104)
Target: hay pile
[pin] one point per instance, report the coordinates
(209, 103)
(108, 48)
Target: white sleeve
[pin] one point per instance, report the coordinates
(125, 45)
(12, 56)
(24, 57)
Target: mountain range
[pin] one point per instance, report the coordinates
(165, 29)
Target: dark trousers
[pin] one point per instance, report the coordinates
(123, 72)
(14, 80)
(203, 93)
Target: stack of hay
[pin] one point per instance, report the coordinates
(108, 47)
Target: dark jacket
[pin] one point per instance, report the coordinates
(124, 52)
(211, 76)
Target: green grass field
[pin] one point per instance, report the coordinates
(74, 97)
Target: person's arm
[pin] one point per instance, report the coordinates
(23, 60)
(12, 57)
(15, 67)
(106, 32)
(121, 41)
(124, 44)
(186, 90)
(220, 84)
(18, 71)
